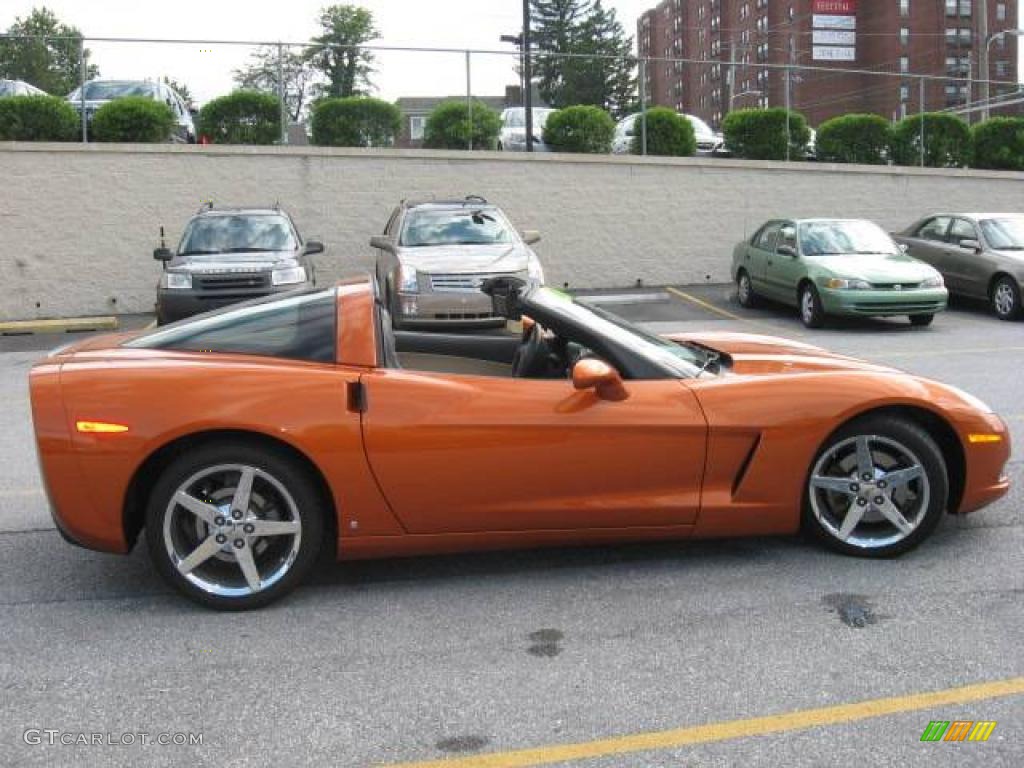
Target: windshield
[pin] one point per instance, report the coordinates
(685, 361)
(840, 238)
(237, 234)
(114, 90)
(456, 227)
(8, 88)
(699, 126)
(1004, 234)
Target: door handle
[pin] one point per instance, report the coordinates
(356, 397)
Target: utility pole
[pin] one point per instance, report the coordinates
(981, 14)
(527, 76)
(732, 71)
(789, 77)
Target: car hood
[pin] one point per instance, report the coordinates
(457, 259)
(751, 354)
(233, 262)
(875, 267)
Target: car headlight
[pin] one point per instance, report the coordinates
(535, 271)
(176, 280)
(407, 279)
(935, 281)
(847, 284)
(288, 276)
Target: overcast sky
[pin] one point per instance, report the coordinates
(206, 69)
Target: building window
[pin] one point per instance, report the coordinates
(1002, 69)
(965, 8)
(904, 35)
(1001, 11)
(951, 7)
(416, 127)
(905, 8)
(904, 93)
(904, 63)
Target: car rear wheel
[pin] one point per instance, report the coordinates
(877, 488)
(812, 314)
(1006, 301)
(745, 290)
(234, 526)
(921, 320)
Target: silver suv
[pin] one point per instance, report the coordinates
(100, 92)
(434, 256)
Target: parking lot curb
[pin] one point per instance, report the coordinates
(58, 325)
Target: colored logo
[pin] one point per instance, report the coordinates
(958, 730)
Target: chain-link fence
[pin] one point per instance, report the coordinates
(418, 80)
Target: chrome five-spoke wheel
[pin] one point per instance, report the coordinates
(234, 526)
(877, 491)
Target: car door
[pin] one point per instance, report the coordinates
(928, 242)
(758, 251)
(468, 453)
(965, 269)
(784, 267)
(387, 262)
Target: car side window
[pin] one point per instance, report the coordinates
(787, 235)
(934, 229)
(962, 230)
(765, 239)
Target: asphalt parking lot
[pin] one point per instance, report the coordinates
(653, 655)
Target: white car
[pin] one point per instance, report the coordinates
(513, 129)
(19, 88)
(100, 92)
(708, 141)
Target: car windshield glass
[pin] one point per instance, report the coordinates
(7, 88)
(686, 361)
(456, 227)
(1004, 234)
(236, 234)
(840, 238)
(107, 91)
(699, 126)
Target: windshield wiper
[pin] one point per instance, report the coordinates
(197, 252)
(712, 358)
(250, 250)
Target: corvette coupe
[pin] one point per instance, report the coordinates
(245, 441)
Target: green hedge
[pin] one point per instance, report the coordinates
(580, 129)
(855, 139)
(998, 144)
(355, 122)
(947, 141)
(668, 133)
(38, 118)
(760, 134)
(448, 126)
(242, 117)
(132, 119)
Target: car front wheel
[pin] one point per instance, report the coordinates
(877, 488)
(812, 314)
(234, 525)
(1006, 301)
(745, 290)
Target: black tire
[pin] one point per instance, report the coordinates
(296, 558)
(812, 313)
(1005, 298)
(921, 320)
(745, 290)
(887, 432)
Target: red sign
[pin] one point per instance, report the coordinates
(834, 7)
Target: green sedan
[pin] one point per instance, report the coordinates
(835, 267)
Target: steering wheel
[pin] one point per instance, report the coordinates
(531, 356)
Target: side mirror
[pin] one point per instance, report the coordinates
(971, 245)
(313, 246)
(903, 247)
(786, 250)
(162, 254)
(531, 236)
(383, 242)
(600, 377)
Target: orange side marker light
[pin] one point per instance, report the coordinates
(100, 427)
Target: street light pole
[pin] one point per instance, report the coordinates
(983, 53)
(527, 77)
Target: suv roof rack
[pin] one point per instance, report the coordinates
(467, 200)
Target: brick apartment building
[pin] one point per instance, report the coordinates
(932, 37)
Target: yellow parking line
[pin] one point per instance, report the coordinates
(705, 305)
(732, 729)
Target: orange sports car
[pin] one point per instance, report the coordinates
(245, 441)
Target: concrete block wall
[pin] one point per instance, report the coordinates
(78, 223)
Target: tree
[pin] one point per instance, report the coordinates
(53, 64)
(181, 89)
(451, 126)
(336, 54)
(300, 79)
(599, 71)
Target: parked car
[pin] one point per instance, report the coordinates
(513, 129)
(19, 88)
(980, 255)
(434, 256)
(243, 444)
(100, 92)
(835, 267)
(708, 141)
(227, 255)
